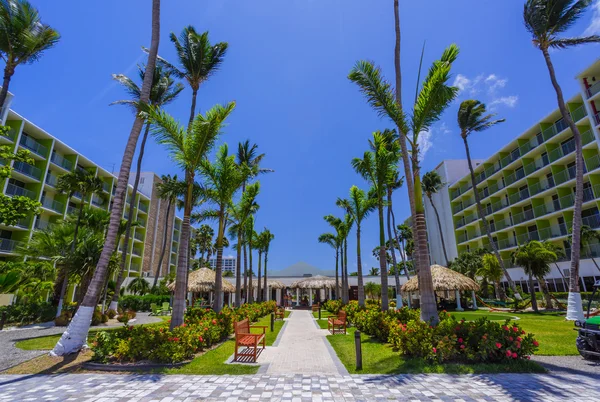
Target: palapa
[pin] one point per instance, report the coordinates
(203, 280)
(443, 279)
(314, 282)
(272, 283)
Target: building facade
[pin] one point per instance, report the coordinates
(228, 264)
(527, 189)
(53, 158)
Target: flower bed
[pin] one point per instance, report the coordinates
(479, 341)
(202, 329)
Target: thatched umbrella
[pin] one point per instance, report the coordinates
(313, 282)
(445, 279)
(203, 280)
(272, 283)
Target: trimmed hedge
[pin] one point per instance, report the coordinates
(29, 313)
(141, 303)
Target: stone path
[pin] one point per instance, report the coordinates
(441, 387)
(301, 349)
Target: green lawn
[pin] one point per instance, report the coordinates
(379, 358)
(324, 315)
(555, 335)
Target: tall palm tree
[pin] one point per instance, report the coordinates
(346, 228)
(394, 183)
(74, 337)
(24, 38)
(83, 183)
(168, 189)
(338, 225)
(199, 60)
(248, 270)
(162, 92)
(546, 21)
(204, 236)
(268, 238)
(431, 100)
(358, 206)
(432, 184)
(332, 240)
(188, 149)
(375, 167)
(223, 179)
(405, 238)
(535, 259)
(239, 214)
(473, 118)
(490, 269)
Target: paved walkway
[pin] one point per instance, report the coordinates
(301, 349)
(106, 387)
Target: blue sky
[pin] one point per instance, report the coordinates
(286, 67)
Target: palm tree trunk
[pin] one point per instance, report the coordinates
(392, 248)
(238, 266)
(115, 300)
(245, 273)
(218, 304)
(164, 245)
(179, 298)
(574, 308)
(250, 273)
(258, 286)
(337, 280)
(346, 289)
(486, 227)
(265, 284)
(547, 297)
(361, 288)
(398, 241)
(439, 224)
(534, 305)
(383, 259)
(8, 73)
(192, 109)
(74, 337)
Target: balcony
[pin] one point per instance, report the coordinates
(97, 201)
(136, 251)
(143, 207)
(60, 161)
(529, 145)
(592, 221)
(518, 196)
(457, 208)
(523, 216)
(506, 243)
(553, 130)
(563, 150)
(9, 246)
(174, 248)
(540, 186)
(587, 137)
(41, 225)
(510, 158)
(591, 251)
(106, 187)
(591, 163)
(597, 118)
(461, 238)
(51, 180)
(53, 205)
(593, 90)
(578, 113)
(138, 236)
(565, 175)
(23, 223)
(135, 267)
(498, 205)
(173, 260)
(546, 209)
(142, 222)
(536, 165)
(10, 135)
(553, 231)
(515, 177)
(17, 191)
(33, 146)
(27, 170)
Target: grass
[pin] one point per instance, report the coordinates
(380, 358)
(474, 315)
(323, 321)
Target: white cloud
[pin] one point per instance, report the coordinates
(509, 101)
(461, 82)
(594, 27)
(494, 83)
(425, 143)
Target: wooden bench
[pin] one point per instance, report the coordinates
(338, 322)
(315, 307)
(244, 338)
(280, 313)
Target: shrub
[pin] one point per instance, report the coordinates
(96, 317)
(125, 316)
(104, 318)
(63, 319)
(28, 313)
(333, 306)
(111, 314)
(141, 303)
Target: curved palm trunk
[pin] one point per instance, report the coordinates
(193, 108)
(426, 290)
(534, 305)
(265, 285)
(245, 273)
(74, 337)
(8, 73)
(164, 245)
(238, 266)
(115, 300)
(218, 304)
(398, 242)
(439, 224)
(574, 308)
(179, 297)
(383, 261)
(259, 287)
(547, 297)
(392, 248)
(337, 280)
(486, 227)
(361, 288)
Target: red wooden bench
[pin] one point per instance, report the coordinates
(315, 307)
(244, 338)
(338, 323)
(280, 313)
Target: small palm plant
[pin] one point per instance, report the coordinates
(491, 270)
(332, 241)
(588, 236)
(268, 237)
(139, 286)
(535, 259)
(432, 184)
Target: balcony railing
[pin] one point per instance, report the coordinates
(137, 251)
(553, 231)
(8, 245)
(461, 238)
(139, 235)
(143, 207)
(51, 180)
(590, 250)
(593, 90)
(33, 146)
(59, 160)
(514, 177)
(97, 201)
(53, 205)
(523, 216)
(578, 113)
(587, 137)
(13, 190)
(27, 170)
(23, 223)
(506, 243)
(41, 225)
(565, 149)
(510, 158)
(529, 145)
(135, 267)
(591, 163)
(142, 222)
(565, 175)
(540, 186)
(457, 208)
(518, 196)
(592, 221)
(106, 187)
(174, 248)
(597, 118)
(10, 135)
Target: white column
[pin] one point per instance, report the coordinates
(310, 297)
(458, 306)
(474, 299)
(398, 299)
(268, 293)
(297, 296)
(408, 300)
(330, 294)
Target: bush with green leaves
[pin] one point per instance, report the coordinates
(333, 306)
(142, 303)
(28, 313)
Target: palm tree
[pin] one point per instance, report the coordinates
(204, 236)
(491, 270)
(332, 240)
(268, 238)
(248, 270)
(588, 236)
(375, 167)
(24, 39)
(394, 183)
(82, 183)
(405, 238)
(74, 337)
(338, 225)
(374, 271)
(223, 179)
(346, 228)
(431, 100)
(432, 184)
(162, 92)
(139, 286)
(472, 118)
(546, 20)
(258, 245)
(188, 149)
(358, 206)
(239, 214)
(535, 259)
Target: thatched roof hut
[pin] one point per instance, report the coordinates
(272, 283)
(314, 282)
(203, 280)
(443, 279)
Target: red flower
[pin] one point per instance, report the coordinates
(200, 339)
(527, 357)
(183, 325)
(519, 338)
(498, 345)
(176, 339)
(504, 327)
(510, 338)
(462, 346)
(514, 355)
(460, 340)
(536, 343)
(434, 350)
(206, 329)
(515, 329)
(508, 353)
(214, 322)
